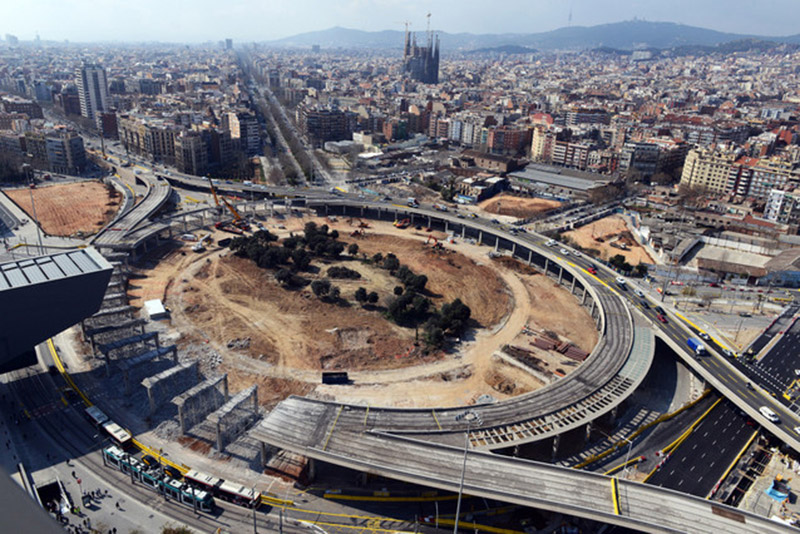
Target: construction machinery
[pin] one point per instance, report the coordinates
(225, 227)
(436, 244)
(358, 222)
(404, 223)
(238, 221)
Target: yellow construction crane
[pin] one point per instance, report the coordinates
(213, 191)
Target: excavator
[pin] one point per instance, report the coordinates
(238, 221)
(436, 244)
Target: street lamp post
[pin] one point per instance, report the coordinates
(469, 416)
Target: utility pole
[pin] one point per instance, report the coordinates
(469, 416)
(255, 527)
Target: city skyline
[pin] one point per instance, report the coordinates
(245, 20)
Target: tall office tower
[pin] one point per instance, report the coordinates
(228, 44)
(92, 89)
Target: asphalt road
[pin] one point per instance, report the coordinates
(727, 370)
(779, 325)
(697, 464)
(782, 359)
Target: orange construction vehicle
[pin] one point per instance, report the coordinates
(238, 221)
(405, 223)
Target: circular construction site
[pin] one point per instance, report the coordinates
(280, 325)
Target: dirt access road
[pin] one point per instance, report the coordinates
(69, 209)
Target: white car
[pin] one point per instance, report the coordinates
(705, 336)
(564, 251)
(551, 243)
(769, 415)
(621, 281)
(638, 293)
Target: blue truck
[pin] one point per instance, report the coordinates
(697, 346)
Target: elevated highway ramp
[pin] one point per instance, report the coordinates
(512, 480)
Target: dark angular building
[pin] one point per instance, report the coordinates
(421, 63)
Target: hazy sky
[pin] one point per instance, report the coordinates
(263, 20)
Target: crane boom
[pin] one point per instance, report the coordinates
(213, 191)
(235, 213)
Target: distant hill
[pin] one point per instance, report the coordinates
(504, 49)
(619, 35)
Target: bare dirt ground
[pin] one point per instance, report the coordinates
(66, 209)
(520, 207)
(291, 335)
(610, 229)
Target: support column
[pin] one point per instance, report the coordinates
(151, 400)
(182, 419)
(572, 287)
(429, 221)
(560, 274)
(594, 305)
(185, 223)
(263, 454)
(583, 299)
(546, 264)
(513, 249)
(225, 387)
(255, 400)
(588, 432)
(362, 211)
(463, 231)
(556, 443)
(496, 243)
(530, 257)
(613, 414)
(480, 237)
(219, 436)
(312, 469)
(445, 226)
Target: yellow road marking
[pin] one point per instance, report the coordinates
(379, 498)
(615, 495)
(330, 433)
(736, 460)
(436, 419)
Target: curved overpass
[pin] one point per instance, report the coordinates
(610, 374)
(119, 234)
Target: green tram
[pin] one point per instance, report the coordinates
(153, 477)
